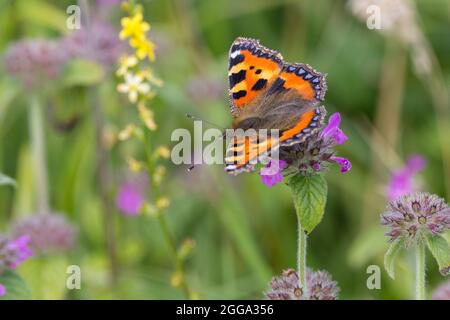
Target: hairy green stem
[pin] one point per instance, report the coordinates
(301, 259)
(37, 140)
(420, 271)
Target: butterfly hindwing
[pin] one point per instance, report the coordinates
(245, 151)
(267, 93)
(252, 70)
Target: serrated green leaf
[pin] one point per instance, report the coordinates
(16, 288)
(310, 196)
(391, 254)
(80, 72)
(6, 181)
(440, 249)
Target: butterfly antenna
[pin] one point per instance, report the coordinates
(190, 116)
(223, 135)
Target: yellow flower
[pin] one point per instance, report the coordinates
(126, 62)
(158, 176)
(144, 48)
(134, 27)
(162, 203)
(149, 76)
(147, 116)
(127, 132)
(163, 152)
(134, 86)
(134, 165)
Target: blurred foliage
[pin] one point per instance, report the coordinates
(244, 232)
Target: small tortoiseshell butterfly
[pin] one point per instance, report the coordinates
(268, 93)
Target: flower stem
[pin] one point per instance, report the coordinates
(420, 271)
(301, 259)
(167, 234)
(37, 140)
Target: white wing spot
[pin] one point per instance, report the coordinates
(234, 54)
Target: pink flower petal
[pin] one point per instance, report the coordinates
(344, 163)
(271, 173)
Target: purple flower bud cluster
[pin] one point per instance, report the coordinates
(99, 43)
(34, 60)
(286, 287)
(415, 216)
(48, 233)
(311, 156)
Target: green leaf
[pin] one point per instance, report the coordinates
(440, 249)
(310, 196)
(391, 254)
(80, 72)
(39, 13)
(6, 181)
(16, 288)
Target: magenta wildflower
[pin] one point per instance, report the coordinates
(344, 163)
(415, 216)
(333, 131)
(271, 173)
(320, 286)
(13, 252)
(20, 246)
(2, 290)
(130, 199)
(318, 149)
(402, 180)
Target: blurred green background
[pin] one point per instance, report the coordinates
(245, 233)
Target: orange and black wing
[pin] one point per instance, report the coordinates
(245, 151)
(258, 76)
(252, 70)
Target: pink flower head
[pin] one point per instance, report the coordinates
(271, 173)
(402, 180)
(333, 131)
(286, 287)
(130, 199)
(21, 249)
(2, 290)
(344, 163)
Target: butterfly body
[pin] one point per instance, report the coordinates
(268, 93)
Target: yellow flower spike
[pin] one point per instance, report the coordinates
(133, 27)
(144, 48)
(134, 165)
(133, 86)
(162, 203)
(162, 152)
(126, 62)
(176, 279)
(158, 176)
(127, 132)
(149, 76)
(147, 116)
